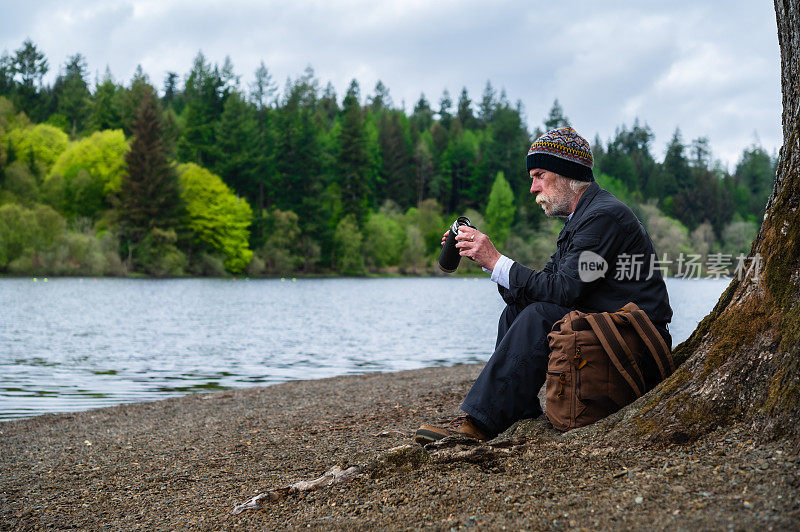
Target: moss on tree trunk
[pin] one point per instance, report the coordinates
(741, 364)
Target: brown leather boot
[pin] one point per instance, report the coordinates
(460, 426)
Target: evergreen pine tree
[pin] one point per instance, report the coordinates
(204, 105)
(149, 197)
(396, 156)
(237, 137)
(30, 64)
(676, 163)
(488, 104)
(262, 90)
(353, 157)
(381, 100)
(104, 113)
(170, 88)
(422, 118)
(445, 105)
(327, 107)
(464, 112)
(755, 172)
(556, 117)
(72, 93)
(130, 100)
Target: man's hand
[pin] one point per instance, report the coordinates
(476, 246)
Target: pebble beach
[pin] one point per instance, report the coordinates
(187, 462)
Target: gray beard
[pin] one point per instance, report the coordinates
(559, 210)
(560, 204)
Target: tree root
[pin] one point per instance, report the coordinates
(404, 457)
(336, 475)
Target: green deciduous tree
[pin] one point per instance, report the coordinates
(91, 169)
(670, 237)
(42, 142)
(216, 217)
(156, 254)
(427, 217)
(384, 240)
(27, 233)
(16, 231)
(348, 257)
(281, 252)
(19, 184)
(500, 210)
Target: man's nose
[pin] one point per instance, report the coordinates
(535, 187)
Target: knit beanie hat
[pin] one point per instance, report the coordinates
(563, 151)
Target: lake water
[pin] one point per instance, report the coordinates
(72, 344)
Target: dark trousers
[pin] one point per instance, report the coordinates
(507, 389)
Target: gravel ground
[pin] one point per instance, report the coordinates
(186, 462)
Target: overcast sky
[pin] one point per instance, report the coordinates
(710, 67)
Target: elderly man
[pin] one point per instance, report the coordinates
(601, 231)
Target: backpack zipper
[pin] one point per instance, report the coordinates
(578, 366)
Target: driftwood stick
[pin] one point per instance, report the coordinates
(335, 475)
(402, 457)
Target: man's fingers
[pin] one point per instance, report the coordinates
(469, 234)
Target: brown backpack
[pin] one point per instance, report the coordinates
(601, 362)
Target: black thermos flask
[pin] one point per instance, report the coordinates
(449, 257)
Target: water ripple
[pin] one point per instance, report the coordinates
(71, 345)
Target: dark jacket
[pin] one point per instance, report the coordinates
(604, 225)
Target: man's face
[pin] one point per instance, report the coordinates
(552, 191)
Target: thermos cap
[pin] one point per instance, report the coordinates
(461, 220)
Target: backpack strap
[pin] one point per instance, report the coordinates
(654, 341)
(615, 347)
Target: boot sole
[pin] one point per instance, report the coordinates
(427, 436)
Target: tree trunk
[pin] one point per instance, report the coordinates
(742, 363)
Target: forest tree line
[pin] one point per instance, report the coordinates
(210, 176)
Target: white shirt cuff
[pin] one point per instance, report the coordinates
(501, 271)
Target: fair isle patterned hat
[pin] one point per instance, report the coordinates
(564, 152)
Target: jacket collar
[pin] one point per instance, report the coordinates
(586, 198)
